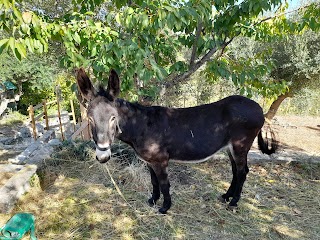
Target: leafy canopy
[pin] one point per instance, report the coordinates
(142, 39)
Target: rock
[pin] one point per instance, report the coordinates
(15, 186)
(25, 132)
(9, 141)
(54, 142)
(40, 128)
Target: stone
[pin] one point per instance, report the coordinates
(11, 140)
(25, 132)
(40, 128)
(15, 186)
(55, 142)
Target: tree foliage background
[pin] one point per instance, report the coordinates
(144, 40)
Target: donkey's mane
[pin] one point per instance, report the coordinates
(133, 105)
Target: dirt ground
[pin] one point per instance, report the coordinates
(300, 133)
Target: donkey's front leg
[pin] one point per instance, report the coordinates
(160, 169)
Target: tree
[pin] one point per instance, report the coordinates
(34, 77)
(297, 62)
(38, 70)
(141, 39)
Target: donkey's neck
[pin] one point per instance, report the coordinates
(132, 120)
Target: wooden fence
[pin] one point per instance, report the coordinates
(83, 131)
(44, 115)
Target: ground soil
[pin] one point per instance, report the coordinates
(300, 133)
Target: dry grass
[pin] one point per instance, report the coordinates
(4, 177)
(79, 201)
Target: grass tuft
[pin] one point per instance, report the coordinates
(14, 118)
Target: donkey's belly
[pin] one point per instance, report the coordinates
(192, 161)
(198, 155)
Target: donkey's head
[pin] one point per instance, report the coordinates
(102, 112)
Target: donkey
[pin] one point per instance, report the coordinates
(189, 135)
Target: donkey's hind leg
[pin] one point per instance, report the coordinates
(239, 154)
(225, 197)
(155, 187)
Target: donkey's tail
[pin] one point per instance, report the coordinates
(265, 146)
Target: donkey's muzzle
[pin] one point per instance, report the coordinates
(103, 154)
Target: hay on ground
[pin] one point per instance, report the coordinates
(74, 198)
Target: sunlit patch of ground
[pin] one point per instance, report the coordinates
(79, 201)
(300, 133)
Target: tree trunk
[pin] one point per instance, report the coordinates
(275, 106)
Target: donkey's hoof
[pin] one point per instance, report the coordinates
(232, 208)
(163, 210)
(223, 199)
(151, 202)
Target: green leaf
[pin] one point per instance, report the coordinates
(130, 10)
(7, 4)
(109, 46)
(114, 33)
(313, 24)
(118, 18)
(93, 51)
(3, 44)
(192, 12)
(118, 52)
(12, 43)
(110, 60)
(21, 49)
(74, 87)
(90, 13)
(97, 66)
(178, 25)
(144, 20)
(16, 12)
(25, 28)
(44, 44)
(76, 38)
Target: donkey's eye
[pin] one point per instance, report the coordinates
(112, 119)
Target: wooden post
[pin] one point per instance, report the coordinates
(44, 102)
(86, 133)
(59, 117)
(73, 116)
(80, 123)
(59, 113)
(33, 122)
(80, 130)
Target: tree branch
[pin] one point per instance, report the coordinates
(195, 44)
(281, 14)
(194, 66)
(184, 76)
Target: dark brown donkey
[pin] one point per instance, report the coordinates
(159, 134)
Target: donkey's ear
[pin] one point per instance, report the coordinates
(86, 88)
(113, 84)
